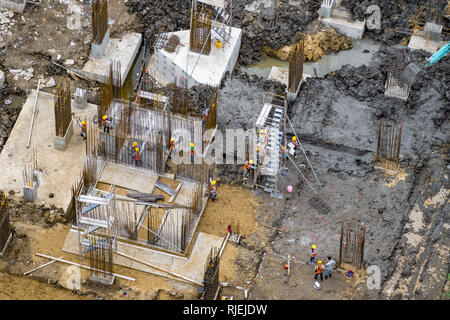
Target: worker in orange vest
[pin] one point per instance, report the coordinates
(213, 190)
(137, 157)
(318, 270)
(172, 145)
(313, 253)
(247, 166)
(83, 127)
(205, 115)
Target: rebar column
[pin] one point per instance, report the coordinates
(296, 59)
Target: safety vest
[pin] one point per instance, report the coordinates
(295, 143)
(172, 145)
(137, 155)
(313, 252)
(83, 127)
(213, 190)
(247, 165)
(192, 150)
(318, 269)
(106, 122)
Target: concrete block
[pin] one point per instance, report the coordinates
(340, 20)
(2, 79)
(61, 143)
(123, 50)
(432, 31)
(98, 50)
(16, 5)
(419, 42)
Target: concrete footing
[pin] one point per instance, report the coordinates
(16, 6)
(396, 90)
(340, 20)
(61, 143)
(418, 41)
(123, 50)
(2, 79)
(98, 50)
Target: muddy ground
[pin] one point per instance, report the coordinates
(336, 118)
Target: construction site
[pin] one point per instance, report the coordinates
(224, 150)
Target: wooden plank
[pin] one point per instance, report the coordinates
(41, 266)
(83, 266)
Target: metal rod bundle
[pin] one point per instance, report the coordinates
(99, 20)
(211, 275)
(352, 241)
(389, 142)
(296, 59)
(200, 34)
(63, 108)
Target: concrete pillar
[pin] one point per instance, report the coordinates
(433, 31)
(2, 79)
(98, 50)
(325, 8)
(61, 143)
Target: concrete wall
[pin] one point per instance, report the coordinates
(170, 72)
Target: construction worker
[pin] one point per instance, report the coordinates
(218, 44)
(213, 189)
(137, 157)
(172, 145)
(192, 149)
(296, 145)
(134, 146)
(329, 267)
(284, 152)
(106, 123)
(318, 270)
(83, 128)
(313, 253)
(247, 166)
(205, 115)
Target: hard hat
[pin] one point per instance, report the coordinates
(83, 122)
(319, 262)
(137, 149)
(251, 161)
(314, 246)
(261, 131)
(294, 138)
(104, 117)
(192, 144)
(135, 144)
(213, 182)
(172, 139)
(257, 149)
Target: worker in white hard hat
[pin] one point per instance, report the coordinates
(247, 166)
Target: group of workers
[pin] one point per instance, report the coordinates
(107, 125)
(318, 268)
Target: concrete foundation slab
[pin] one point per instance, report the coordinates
(59, 170)
(181, 66)
(419, 42)
(123, 50)
(341, 21)
(15, 5)
(192, 267)
(127, 177)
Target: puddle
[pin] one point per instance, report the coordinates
(130, 82)
(328, 63)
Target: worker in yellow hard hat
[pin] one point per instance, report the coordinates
(313, 253)
(213, 189)
(83, 128)
(296, 145)
(106, 123)
(137, 156)
(318, 270)
(247, 166)
(192, 150)
(218, 44)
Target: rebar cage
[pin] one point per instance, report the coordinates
(296, 59)
(200, 34)
(99, 20)
(63, 108)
